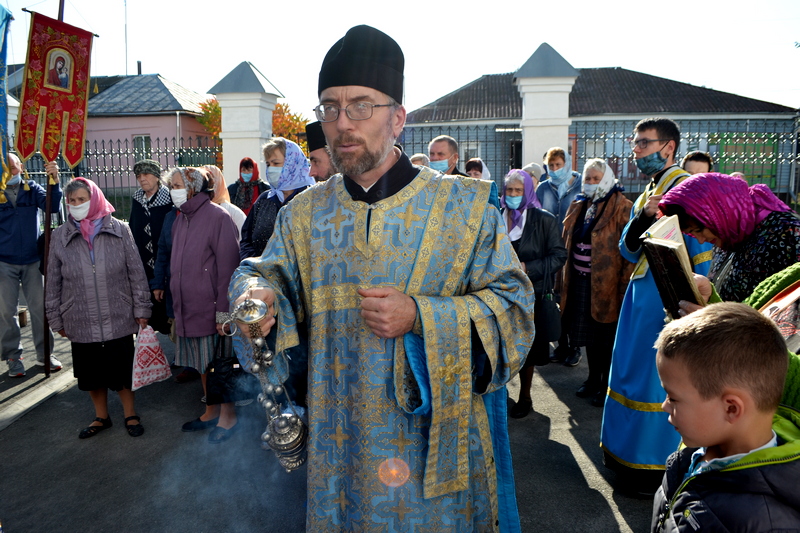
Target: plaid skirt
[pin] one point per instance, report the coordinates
(195, 352)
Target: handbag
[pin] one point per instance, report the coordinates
(549, 318)
(227, 381)
(149, 363)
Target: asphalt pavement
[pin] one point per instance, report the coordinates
(169, 481)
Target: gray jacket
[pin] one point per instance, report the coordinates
(95, 301)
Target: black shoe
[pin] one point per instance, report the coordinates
(559, 354)
(198, 425)
(91, 431)
(574, 358)
(220, 434)
(134, 430)
(599, 399)
(521, 409)
(586, 390)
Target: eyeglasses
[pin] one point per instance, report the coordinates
(642, 143)
(355, 111)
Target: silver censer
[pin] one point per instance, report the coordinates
(286, 433)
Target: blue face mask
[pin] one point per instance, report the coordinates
(14, 180)
(443, 165)
(247, 176)
(589, 189)
(650, 164)
(513, 202)
(558, 176)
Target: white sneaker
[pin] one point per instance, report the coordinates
(55, 364)
(15, 368)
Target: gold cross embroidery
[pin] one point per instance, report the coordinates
(409, 217)
(401, 509)
(338, 218)
(339, 436)
(401, 442)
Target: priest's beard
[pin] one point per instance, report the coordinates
(356, 164)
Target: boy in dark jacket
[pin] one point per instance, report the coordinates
(723, 368)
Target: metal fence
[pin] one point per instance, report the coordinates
(765, 150)
(110, 164)
(499, 146)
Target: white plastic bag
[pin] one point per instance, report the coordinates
(149, 364)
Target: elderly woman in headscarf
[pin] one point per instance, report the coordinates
(248, 186)
(289, 171)
(97, 297)
(205, 252)
(561, 185)
(223, 199)
(534, 235)
(755, 234)
(477, 169)
(150, 206)
(596, 275)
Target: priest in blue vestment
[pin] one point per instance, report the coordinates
(417, 314)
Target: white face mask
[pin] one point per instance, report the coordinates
(178, 197)
(274, 176)
(79, 212)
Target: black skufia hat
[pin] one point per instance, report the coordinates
(315, 137)
(367, 57)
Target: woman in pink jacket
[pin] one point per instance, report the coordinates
(97, 297)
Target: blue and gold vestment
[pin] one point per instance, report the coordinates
(441, 241)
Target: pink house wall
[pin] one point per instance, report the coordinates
(158, 127)
(110, 143)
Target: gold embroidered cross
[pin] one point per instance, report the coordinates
(402, 509)
(401, 442)
(409, 217)
(339, 436)
(338, 218)
(341, 500)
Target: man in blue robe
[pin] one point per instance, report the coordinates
(417, 316)
(636, 435)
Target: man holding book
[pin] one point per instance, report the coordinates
(636, 436)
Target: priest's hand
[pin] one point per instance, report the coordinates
(388, 312)
(268, 297)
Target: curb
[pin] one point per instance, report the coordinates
(43, 391)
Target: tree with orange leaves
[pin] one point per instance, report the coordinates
(289, 125)
(211, 120)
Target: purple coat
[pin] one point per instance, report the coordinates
(100, 301)
(205, 252)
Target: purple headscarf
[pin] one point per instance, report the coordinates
(726, 205)
(529, 197)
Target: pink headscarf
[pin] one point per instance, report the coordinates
(726, 205)
(98, 208)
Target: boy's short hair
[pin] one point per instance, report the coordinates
(703, 157)
(729, 344)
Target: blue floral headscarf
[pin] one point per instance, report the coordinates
(295, 172)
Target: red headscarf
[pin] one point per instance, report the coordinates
(98, 208)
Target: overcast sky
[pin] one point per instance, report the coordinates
(737, 46)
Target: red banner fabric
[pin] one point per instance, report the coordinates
(55, 91)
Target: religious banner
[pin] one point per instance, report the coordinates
(55, 91)
(5, 18)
